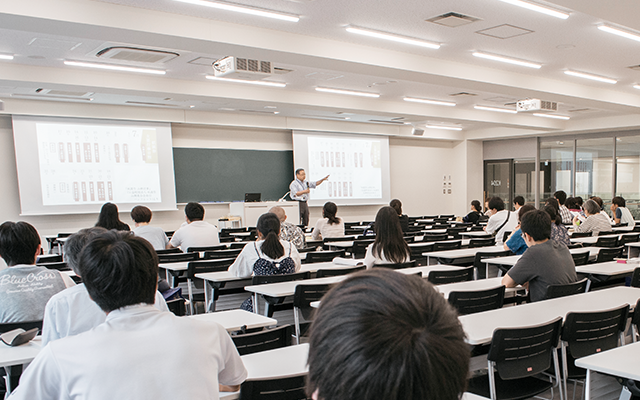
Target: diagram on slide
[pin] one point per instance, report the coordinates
(89, 164)
(354, 166)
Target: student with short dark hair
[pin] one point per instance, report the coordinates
(197, 232)
(141, 216)
(384, 335)
(621, 214)
(404, 219)
(389, 246)
(109, 219)
(545, 263)
(329, 225)
(501, 220)
(24, 287)
(127, 357)
(474, 214)
(561, 197)
(518, 202)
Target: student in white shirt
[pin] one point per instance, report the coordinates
(389, 246)
(621, 214)
(139, 352)
(197, 232)
(72, 311)
(329, 225)
(141, 216)
(501, 220)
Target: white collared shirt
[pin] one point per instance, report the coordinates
(195, 234)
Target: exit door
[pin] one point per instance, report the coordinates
(498, 179)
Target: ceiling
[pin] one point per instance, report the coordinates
(318, 51)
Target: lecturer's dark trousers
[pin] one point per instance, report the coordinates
(304, 213)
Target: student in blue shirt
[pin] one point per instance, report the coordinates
(515, 242)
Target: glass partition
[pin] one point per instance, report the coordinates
(524, 179)
(628, 172)
(594, 169)
(556, 167)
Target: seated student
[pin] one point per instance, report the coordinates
(389, 246)
(109, 219)
(545, 263)
(518, 202)
(621, 214)
(72, 311)
(474, 215)
(559, 232)
(595, 221)
(501, 220)
(404, 219)
(383, 335)
(572, 205)
(24, 287)
(127, 357)
(515, 242)
(561, 197)
(141, 215)
(196, 233)
(600, 203)
(329, 225)
(288, 231)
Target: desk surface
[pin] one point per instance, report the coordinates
(225, 276)
(610, 268)
(19, 354)
(480, 284)
(234, 320)
(479, 327)
(621, 361)
(511, 260)
(462, 253)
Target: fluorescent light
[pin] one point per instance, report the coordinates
(115, 67)
(538, 8)
(449, 128)
(6, 57)
(244, 10)
(349, 92)
(592, 77)
(619, 32)
(436, 102)
(261, 83)
(392, 37)
(507, 60)
(636, 86)
(564, 117)
(502, 110)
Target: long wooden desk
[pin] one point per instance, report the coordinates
(621, 362)
(479, 327)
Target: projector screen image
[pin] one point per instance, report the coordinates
(82, 164)
(357, 165)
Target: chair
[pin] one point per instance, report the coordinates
(477, 300)
(277, 303)
(292, 388)
(635, 278)
(321, 273)
(586, 333)
(481, 255)
(206, 248)
(635, 322)
(505, 236)
(555, 291)
(418, 249)
(606, 241)
(482, 242)
(608, 233)
(48, 258)
(177, 257)
(217, 254)
(60, 266)
(628, 238)
(337, 239)
(302, 299)
(449, 245)
(227, 231)
(451, 276)
(605, 255)
(455, 232)
(359, 249)
(177, 306)
(323, 256)
(13, 372)
(408, 264)
(518, 355)
(173, 250)
(581, 258)
(580, 234)
(237, 245)
(435, 237)
(199, 267)
(268, 339)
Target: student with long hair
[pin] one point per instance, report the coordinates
(474, 215)
(559, 232)
(109, 219)
(403, 218)
(329, 225)
(389, 246)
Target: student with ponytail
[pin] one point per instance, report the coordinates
(329, 225)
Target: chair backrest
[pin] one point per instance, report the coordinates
(482, 242)
(264, 279)
(581, 258)
(451, 276)
(588, 333)
(199, 267)
(237, 245)
(293, 388)
(607, 233)
(6, 327)
(268, 339)
(635, 321)
(478, 300)
(337, 239)
(417, 250)
(212, 255)
(554, 291)
(605, 255)
(522, 352)
(408, 264)
(481, 255)
(48, 258)
(505, 236)
(206, 248)
(451, 245)
(305, 295)
(629, 238)
(359, 249)
(321, 273)
(177, 257)
(581, 234)
(635, 278)
(177, 306)
(60, 266)
(607, 241)
(226, 231)
(173, 250)
(455, 231)
(323, 256)
(434, 237)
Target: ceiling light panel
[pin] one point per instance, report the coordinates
(347, 92)
(552, 116)
(538, 8)
(260, 83)
(392, 37)
(620, 32)
(591, 77)
(445, 127)
(244, 10)
(496, 109)
(6, 57)
(434, 102)
(114, 67)
(507, 60)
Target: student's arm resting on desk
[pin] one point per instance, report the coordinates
(296, 257)
(315, 234)
(175, 241)
(508, 282)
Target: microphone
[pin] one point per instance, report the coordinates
(285, 195)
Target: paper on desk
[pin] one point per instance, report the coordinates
(347, 261)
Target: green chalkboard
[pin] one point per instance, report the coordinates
(208, 175)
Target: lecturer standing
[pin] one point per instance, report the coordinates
(300, 189)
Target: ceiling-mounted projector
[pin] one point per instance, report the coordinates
(242, 68)
(530, 105)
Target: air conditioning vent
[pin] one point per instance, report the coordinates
(453, 19)
(381, 121)
(142, 103)
(137, 55)
(462, 94)
(65, 93)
